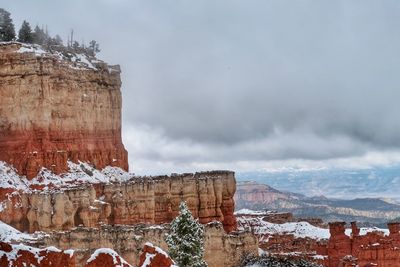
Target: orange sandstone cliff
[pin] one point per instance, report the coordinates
(52, 110)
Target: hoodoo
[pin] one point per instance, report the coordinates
(54, 110)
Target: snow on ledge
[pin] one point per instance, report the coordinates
(78, 174)
(298, 229)
(10, 234)
(74, 60)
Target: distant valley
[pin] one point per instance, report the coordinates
(367, 211)
(374, 182)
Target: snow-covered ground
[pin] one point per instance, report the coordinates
(76, 60)
(78, 174)
(250, 212)
(298, 229)
(10, 234)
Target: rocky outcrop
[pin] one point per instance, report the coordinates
(153, 256)
(53, 110)
(105, 257)
(221, 249)
(154, 200)
(370, 249)
(21, 256)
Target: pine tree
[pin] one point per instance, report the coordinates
(7, 31)
(25, 33)
(93, 48)
(185, 241)
(57, 40)
(39, 36)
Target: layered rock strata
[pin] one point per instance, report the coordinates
(154, 200)
(221, 249)
(53, 109)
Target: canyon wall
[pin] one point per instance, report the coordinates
(221, 249)
(52, 110)
(155, 200)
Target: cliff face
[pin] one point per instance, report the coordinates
(155, 200)
(52, 110)
(220, 249)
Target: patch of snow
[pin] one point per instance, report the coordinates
(36, 49)
(250, 212)
(365, 230)
(9, 178)
(13, 254)
(319, 257)
(298, 229)
(70, 252)
(148, 259)
(8, 234)
(53, 249)
(74, 60)
(80, 173)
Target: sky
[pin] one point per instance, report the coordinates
(245, 84)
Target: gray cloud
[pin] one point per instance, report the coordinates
(232, 81)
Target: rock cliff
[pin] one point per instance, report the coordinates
(221, 249)
(55, 107)
(115, 197)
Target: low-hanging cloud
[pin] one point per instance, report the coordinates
(219, 83)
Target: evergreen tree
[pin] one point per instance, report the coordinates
(7, 31)
(185, 241)
(25, 33)
(39, 36)
(57, 40)
(93, 48)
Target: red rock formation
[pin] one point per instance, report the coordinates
(52, 111)
(153, 256)
(106, 258)
(278, 217)
(339, 244)
(21, 256)
(152, 200)
(371, 249)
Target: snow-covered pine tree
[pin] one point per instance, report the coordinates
(7, 31)
(186, 239)
(25, 33)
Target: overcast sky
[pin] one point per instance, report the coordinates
(245, 85)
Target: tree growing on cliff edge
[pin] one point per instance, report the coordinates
(25, 33)
(7, 30)
(186, 239)
(39, 36)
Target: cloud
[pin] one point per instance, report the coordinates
(239, 84)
